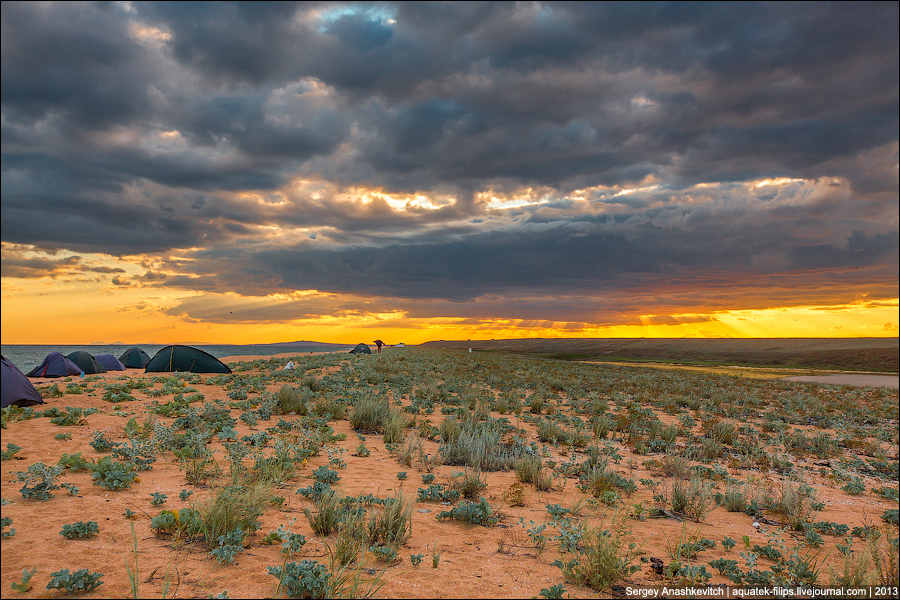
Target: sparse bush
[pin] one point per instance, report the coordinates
(39, 481)
(477, 513)
(289, 401)
(692, 499)
(80, 530)
(328, 514)
(232, 508)
(393, 526)
(81, 581)
(369, 414)
(306, 579)
(112, 475)
(603, 559)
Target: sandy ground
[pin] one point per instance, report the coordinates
(890, 381)
(471, 563)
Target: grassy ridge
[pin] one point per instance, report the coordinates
(850, 354)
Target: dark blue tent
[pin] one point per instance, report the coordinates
(16, 389)
(134, 358)
(109, 362)
(184, 359)
(55, 365)
(85, 361)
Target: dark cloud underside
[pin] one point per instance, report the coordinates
(153, 127)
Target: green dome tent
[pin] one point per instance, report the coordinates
(185, 358)
(361, 349)
(86, 362)
(134, 358)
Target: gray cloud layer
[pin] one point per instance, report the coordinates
(453, 99)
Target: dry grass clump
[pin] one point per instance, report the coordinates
(875, 564)
(693, 499)
(393, 525)
(529, 469)
(369, 414)
(289, 401)
(234, 507)
(603, 559)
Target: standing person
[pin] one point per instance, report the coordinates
(379, 343)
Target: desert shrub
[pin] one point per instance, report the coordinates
(328, 514)
(477, 513)
(469, 484)
(551, 433)
(720, 431)
(306, 579)
(39, 481)
(315, 491)
(795, 503)
(386, 554)
(326, 475)
(437, 493)
(528, 468)
(74, 462)
(734, 500)
(395, 425)
(10, 451)
(876, 564)
(80, 530)
(602, 559)
(369, 414)
(229, 546)
(393, 525)
(81, 581)
(199, 471)
(7, 522)
(692, 499)
(112, 475)
(233, 507)
(855, 487)
(479, 446)
(600, 478)
(72, 416)
(676, 466)
(351, 536)
(330, 408)
(449, 429)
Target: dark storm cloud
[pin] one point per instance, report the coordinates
(585, 256)
(131, 128)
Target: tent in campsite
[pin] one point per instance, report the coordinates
(185, 358)
(109, 362)
(55, 365)
(16, 389)
(134, 358)
(361, 349)
(86, 362)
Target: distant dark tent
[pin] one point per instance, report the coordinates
(185, 358)
(55, 365)
(134, 358)
(86, 362)
(361, 349)
(16, 389)
(109, 362)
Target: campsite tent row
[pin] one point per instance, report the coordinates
(170, 358)
(18, 390)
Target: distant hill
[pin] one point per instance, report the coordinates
(306, 344)
(851, 354)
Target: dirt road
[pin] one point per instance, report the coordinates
(891, 381)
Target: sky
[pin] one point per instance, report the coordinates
(251, 173)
